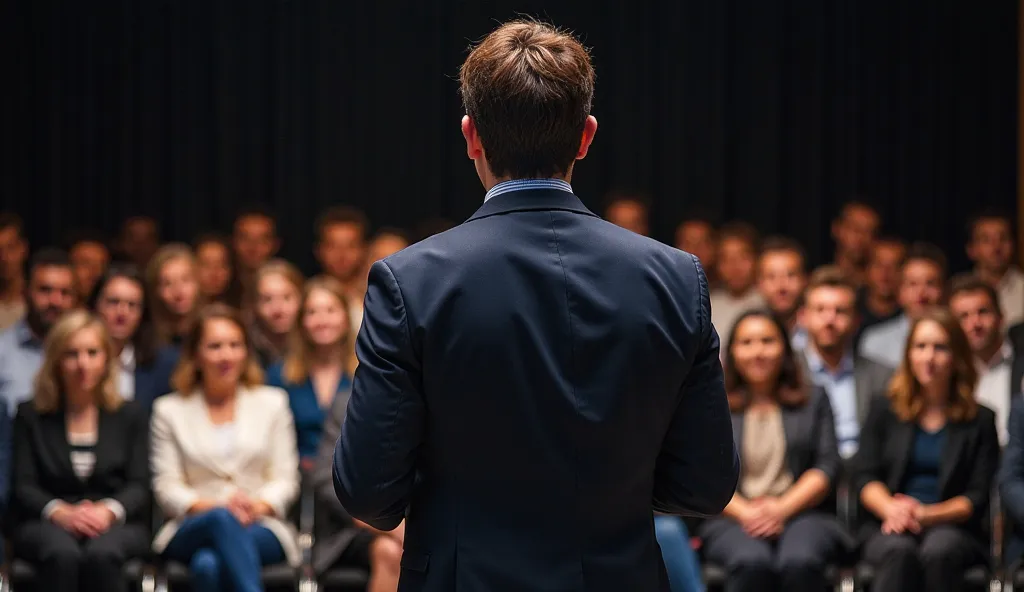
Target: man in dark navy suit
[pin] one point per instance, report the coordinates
(536, 382)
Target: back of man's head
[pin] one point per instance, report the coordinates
(528, 89)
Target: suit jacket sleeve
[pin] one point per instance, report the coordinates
(28, 493)
(282, 486)
(134, 497)
(826, 459)
(323, 483)
(869, 462)
(171, 491)
(374, 461)
(986, 462)
(1011, 473)
(5, 456)
(698, 468)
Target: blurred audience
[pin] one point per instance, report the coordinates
(990, 247)
(224, 460)
(80, 504)
(853, 232)
(89, 257)
(1011, 485)
(215, 270)
(735, 258)
(273, 309)
(879, 298)
(696, 235)
(629, 210)
(341, 251)
(386, 242)
(254, 239)
(139, 240)
(13, 252)
(171, 279)
(781, 279)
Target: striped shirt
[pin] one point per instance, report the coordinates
(523, 184)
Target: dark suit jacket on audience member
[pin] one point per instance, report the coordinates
(335, 530)
(1011, 481)
(1016, 338)
(154, 379)
(969, 461)
(42, 463)
(532, 385)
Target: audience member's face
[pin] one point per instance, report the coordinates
(883, 271)
(736, 264)
(385, 246)
(255, 241)
(979, 318)
(88, 262)
(324, 318)
(213, 269)
(830, 317)
(140, 240)
(222, 353)
(929, 354)
(12, 255)
(920, 286)
(177, 287)
(120, 307)
(781, 281)
(628, 214)
(277, 303)
(854, 231)
(991, 246)
(757, 351)
(84, 363)
(697, 238)
(342, 251)
(51, 293)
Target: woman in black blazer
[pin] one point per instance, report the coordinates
(924, 469)
(80, 492)
(774, 534)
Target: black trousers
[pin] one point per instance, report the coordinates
(933, 561)
(67, 564)
(795, 562)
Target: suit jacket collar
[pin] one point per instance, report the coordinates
(531, 200)
(902, 437)
(55, 424)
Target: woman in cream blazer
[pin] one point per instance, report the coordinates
(224, 461)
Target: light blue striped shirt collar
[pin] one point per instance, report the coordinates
(521, 184)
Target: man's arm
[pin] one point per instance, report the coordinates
(374, 460)
(698, 468)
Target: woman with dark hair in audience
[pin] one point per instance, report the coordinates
(225, 464)
(143, 368)
(319, 362)
(171, 279)
(928, 454)
(80, 505)
(273, 308)
(215, 270)
(774, 535)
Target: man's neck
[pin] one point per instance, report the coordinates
(991, 276)
(991, 353)
(831, 357)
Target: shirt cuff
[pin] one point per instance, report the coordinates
(115, 506)
(51, 507)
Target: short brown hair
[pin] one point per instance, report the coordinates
(784, 244)
(970, 282)
(186, 377)
(904, 389)
(922, 251)
(341, 215)
(528, 88)
(830, 276)
(741, 231)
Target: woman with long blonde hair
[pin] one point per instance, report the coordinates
(171, 279)
(272, 308)
(80, 503)
(924, 469)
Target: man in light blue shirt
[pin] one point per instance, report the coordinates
(50, 293)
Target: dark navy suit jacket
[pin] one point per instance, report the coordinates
(532, 385)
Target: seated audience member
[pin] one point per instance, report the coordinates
(80, 504)
(385, 243)
(255, 241)
(879, 298)
(341, 251)
(1011, 483)
(629, 210)
(224, 461)
(924, 469)
(830, 316)
(922, 280)
(735, 260)
(853, 231)
(340, 540)
(49, 294)
(215, 271)
(975, 303)
(143, 368)
(13, 251)
(89, 257)
(273, 309)
(990, 247)
(171, 279)
(139, 240)
(696, 235)
(781, 279)
(319, 362)
(772, 535)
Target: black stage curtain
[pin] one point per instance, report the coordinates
(773, 112)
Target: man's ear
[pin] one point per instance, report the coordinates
(589, 129)
(474, 149)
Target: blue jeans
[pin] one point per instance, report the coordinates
(680, 560)
(222, 554)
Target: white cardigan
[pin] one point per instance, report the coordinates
(264, 462)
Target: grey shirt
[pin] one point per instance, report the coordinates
(21, 356)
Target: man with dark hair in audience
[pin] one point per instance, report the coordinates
(975, 303)
(735, 260)
(13, 250)
(254, 239)
(139, 239)
(341, 250)
(49, 294)
(628, 210)
(851, 381)
(853, 232)
(879, 298)
(990, 247)
(89, 256)
(922, 281)
(781, 279)
(696, 235)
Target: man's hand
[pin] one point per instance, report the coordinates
(763, 518)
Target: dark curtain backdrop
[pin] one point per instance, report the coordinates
(773, 112)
